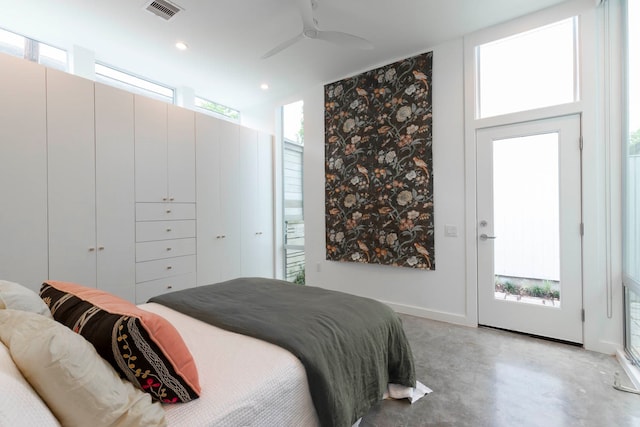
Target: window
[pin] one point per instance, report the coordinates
(293, 168)
(534, 69)
(631, 179)
(12, 43)
(131, 83)
(217, 109)
(52, 57)
(32, 50)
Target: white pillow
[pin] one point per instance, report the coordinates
(18, 297)
(80, 387)
(24, 407)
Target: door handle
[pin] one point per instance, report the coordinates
(484, 237)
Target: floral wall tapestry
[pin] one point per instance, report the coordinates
(378, 166)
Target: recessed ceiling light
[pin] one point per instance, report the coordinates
(182, 46)
(264, 86)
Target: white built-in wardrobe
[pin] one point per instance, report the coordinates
(125, 193)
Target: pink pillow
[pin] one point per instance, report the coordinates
(142, 346)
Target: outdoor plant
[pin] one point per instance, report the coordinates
(537, 291)
(300, 279)
(543, 290)
(510, 288)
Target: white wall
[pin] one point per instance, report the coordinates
(438, 294)
(260, 118)
(450, 292)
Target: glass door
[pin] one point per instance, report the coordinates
(529, 228)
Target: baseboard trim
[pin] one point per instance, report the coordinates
(441, 316)
(632, 371)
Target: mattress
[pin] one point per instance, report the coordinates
(245, 381)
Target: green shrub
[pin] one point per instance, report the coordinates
(299, 280)
(510, 288)
(537, 291)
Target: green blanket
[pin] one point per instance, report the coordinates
(351, 347)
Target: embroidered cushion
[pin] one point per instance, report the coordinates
(142, 346)
(79, 387)
(18, 297)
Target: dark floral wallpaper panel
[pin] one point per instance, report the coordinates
(378, 166)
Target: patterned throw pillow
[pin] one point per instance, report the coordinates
(142, 346)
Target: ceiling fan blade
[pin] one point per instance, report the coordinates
(306, 12)
(282, 46)
(344, 39)
(310, 30)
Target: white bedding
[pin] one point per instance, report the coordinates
(20, 405)
(245, 381)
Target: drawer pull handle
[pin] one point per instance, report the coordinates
(169, 267)
(101, 248)
(171, 199)
(164, 199)
(168, 230)
(169, 287)
(92, 249)
(168, 249)
(168, 210)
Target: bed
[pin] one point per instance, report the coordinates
(241, 380)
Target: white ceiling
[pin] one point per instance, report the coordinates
(228, 37)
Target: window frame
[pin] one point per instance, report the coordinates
(505, 37)
(631, 284)
(31, 51)
(289, 145)
(131, 86)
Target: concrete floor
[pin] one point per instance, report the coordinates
(486, 377)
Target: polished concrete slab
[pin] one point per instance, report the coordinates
(487, 377)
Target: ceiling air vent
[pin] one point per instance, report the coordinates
(163, 9)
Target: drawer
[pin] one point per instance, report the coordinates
(147, 231)
(158, 269)
(149, 289)
(147, 251)
(165, 211)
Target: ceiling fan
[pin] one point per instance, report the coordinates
(310, 30)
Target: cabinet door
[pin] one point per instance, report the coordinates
(248, 199)
(71, 171)
(181, 160)
(166, 267)
(165, 211)
(115, 191)
(23, 172)
(264, 212)
(217, 204)
(148, 251)
(208, 210)
(228, 252)
(152, 288)
(150, 149)
(147, 231)
(257, 204)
